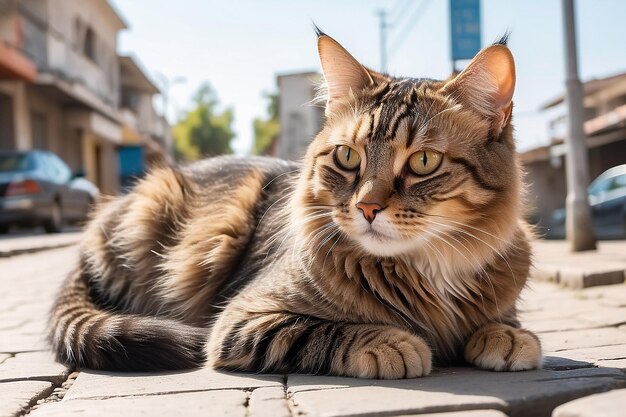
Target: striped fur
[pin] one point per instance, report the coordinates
(260, 265)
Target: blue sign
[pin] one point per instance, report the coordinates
(131, 160)
(464, 28)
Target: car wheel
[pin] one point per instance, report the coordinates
(55, 223)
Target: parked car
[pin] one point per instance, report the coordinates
(607, 199)
(38, 188)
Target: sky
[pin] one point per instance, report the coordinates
(239, 46)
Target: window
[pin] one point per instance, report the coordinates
(89, 46)
(39, 128)
(619, 182)
(59, 170)
(130, 99)
(600, 185)
(12, 162)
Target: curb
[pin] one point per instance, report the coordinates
(20, 245)
(22, 251)
(578, 278)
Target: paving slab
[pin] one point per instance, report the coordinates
(594, 354)
(576, 339)
(534, 393)
(612, 296)
(555, 325)
(38, 366)
(16, 397)
(91, 384)
(607, 404)
(602, 317)
(207, 403)
(14, 342)
(614, 363)
(269, 402)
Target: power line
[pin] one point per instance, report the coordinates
(409, 26)
(399, 11)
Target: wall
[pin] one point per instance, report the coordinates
(67, 26)
(300, 119)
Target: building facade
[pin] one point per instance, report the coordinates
(62, 88)
(605, 127)
(300, 119)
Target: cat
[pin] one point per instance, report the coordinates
(396, 245)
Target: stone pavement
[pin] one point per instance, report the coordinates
(583, 333)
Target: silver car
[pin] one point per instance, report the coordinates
(607, 198)
(38, 188)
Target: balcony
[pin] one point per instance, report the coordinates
(15, 62)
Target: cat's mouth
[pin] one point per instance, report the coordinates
(371, 232)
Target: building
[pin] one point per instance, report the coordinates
(62, 85)
(605, 127)
(300, 118)
(146, 136)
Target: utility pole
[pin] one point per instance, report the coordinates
(382, 15)
(579, 230)
(165, 85)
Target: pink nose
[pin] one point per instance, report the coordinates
(369, 210)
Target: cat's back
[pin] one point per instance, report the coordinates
(231, 170)
(178, 237)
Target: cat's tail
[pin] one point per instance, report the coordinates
(84, 335)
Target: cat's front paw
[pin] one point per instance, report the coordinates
(389, 353)
(499, 347)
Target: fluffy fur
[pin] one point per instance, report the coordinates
(261, 265)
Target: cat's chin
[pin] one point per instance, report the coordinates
(379, 244)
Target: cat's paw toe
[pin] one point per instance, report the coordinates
(392, 354)
(499, 347)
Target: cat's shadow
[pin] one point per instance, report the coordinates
(526, 393)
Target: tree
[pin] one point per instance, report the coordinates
(266, 130)
(204, 131)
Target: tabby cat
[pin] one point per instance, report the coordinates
(397, 243)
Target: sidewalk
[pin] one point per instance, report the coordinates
(583, 334)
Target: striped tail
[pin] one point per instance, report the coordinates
(83, 335)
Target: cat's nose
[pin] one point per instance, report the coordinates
(369, 210)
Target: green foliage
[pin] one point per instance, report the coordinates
(266, 130)
(204, 131)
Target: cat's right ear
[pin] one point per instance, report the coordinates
(342, 72)
(487, 85)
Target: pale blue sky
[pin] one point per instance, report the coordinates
(239, 46)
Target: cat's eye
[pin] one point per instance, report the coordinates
(424, 162)
(347, 158)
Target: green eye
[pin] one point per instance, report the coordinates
(347, 158)
(425, 162)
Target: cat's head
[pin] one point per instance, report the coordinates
(404, 163)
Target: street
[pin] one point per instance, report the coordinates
(583, 333)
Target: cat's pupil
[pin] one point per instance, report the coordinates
(424, 158)
(348, 154)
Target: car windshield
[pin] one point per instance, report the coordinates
(15, 162)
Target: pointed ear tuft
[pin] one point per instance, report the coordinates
(318, 32)
(342, 72)
(487, 84)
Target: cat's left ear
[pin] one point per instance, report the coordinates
(343, 73)
(487, 85)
